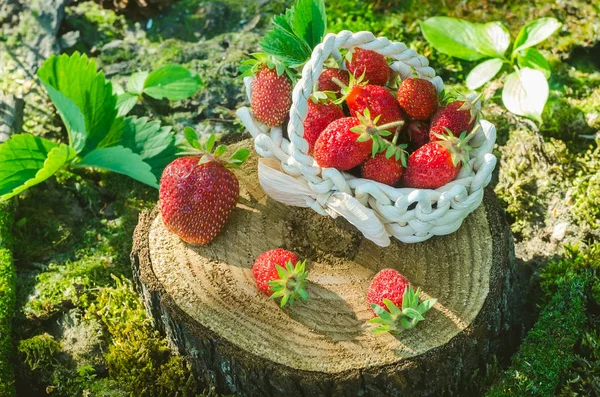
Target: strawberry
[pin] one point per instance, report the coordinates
(279, 274)
(456, 117)
(418, 98)
(320, 115)
(387, 166)
(326, 83)
(271, 96)
(377, 99)
(347, 142)
(418, 133)
(437, 163)
(382, 169)
(197, 194)
(337, 145)
(395, 303)
(369, 63)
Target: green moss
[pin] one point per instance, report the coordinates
(96, 25)
(586, 190)
(547, 351)
(7, 301)
(138, 358)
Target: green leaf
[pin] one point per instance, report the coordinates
(121, 160)
(394, 310)
(173, 82)
(210, 143)
(191, 136)
(26, 160)
(220, 150)
(413, 314)
(525, 93)
(535, 32)
(155, 145)
(73, 83)
(426, 305)
(135, 84)
(284, 20)
(117, 88)
(239, 156)
(483, 73)
(492, 39)
(381, 312)
(126, 102)
(532, 58)
(309, 21)
(452, 36)
(286, 47)
(73, 118)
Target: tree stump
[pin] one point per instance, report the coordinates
(205, 300)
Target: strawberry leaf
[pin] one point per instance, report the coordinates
(173, 82)
(121, 160)
(155, 144)
(286, 47)
(135, 84)
(126, 102)
(309, 21)
(27, 160)
(82, 96)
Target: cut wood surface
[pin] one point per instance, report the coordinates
(205, 299)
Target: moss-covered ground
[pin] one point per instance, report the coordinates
(79, 328)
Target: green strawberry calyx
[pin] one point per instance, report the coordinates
(368, 129)
(291, 284)
(207, 151)
(250, 67)
(324, 97)
(398, 151)
(346, 90)
(394, 320)
(458, 147)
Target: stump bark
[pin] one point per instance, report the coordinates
(205, 300)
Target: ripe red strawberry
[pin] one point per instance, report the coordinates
(373, 65)
(395, 303)
(337, 146)
(319, 116)
(378, 100)
(457, 116)
(197, 194)
(437, 163)
(326, 83)
(388, 284)
(418, 133)
(382, 169)
(279, 274)
(418, 98)
(271, 96)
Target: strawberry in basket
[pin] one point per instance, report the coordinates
(271, 89)
(360, 96)
(372, 65)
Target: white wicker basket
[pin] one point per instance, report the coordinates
(289, 175)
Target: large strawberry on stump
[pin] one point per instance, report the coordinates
(198, 192)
